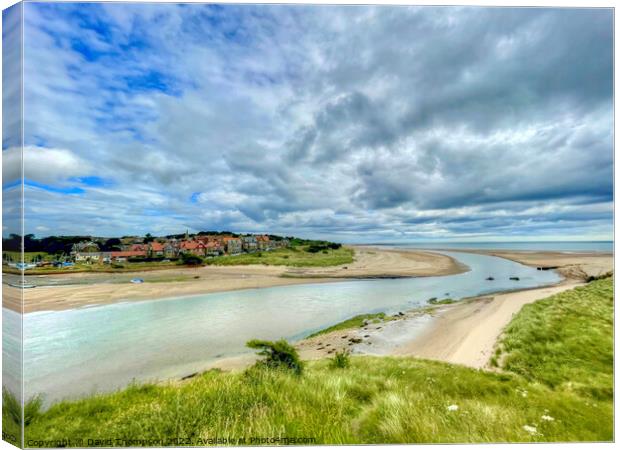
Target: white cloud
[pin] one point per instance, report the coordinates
(43, 165)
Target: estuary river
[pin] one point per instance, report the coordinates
(72, 353)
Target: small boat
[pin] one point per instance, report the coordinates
(514, 278)
(137, 280)
(490, 279)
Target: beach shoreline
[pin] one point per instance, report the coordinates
(91, 289)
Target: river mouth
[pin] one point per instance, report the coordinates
(72, 353)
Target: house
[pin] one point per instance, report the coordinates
(156, 249)
(249, 243)
(233, 245)
(85, 246)
(263, 242)
(138, 248)
(193, 247)
(125, 255)
(213, 248)
(171, 249)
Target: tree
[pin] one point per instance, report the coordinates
(111, 244)
(148, 238)
(278, 355)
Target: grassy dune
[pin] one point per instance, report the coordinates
(565, 341)
(555, 385)
(295, 257)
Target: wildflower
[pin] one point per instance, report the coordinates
(522, 392)
(530, 429)
(547, 418)
(453, 407)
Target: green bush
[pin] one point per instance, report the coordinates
(341, 360)
(191, 260)
(278, 355)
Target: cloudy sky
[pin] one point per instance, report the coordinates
(358, 124)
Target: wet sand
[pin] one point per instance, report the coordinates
(104, 288)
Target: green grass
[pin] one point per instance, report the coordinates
(98, 268)
(353, 322)
(375, 400)
(565, 341)
(557, 364)
(445, 301)
(294, 257)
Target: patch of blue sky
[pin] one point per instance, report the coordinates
(152, 81)
(66, 190)
(194, 197)
(92, 181)
(12, 185)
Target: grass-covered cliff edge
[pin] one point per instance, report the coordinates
(554, 382)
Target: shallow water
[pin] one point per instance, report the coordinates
(77, 352)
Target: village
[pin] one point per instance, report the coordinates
(129, 249)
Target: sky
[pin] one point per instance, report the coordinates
(349, 123)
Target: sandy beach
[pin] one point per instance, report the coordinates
(83, 289)
(461, 333)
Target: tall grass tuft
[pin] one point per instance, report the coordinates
(12, 406)
(341, 360)
(278, 355)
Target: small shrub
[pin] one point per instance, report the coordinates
(278, 355)
(341, 360)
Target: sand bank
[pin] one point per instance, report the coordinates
(461, 333)
(83, 289)
(577, 266)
